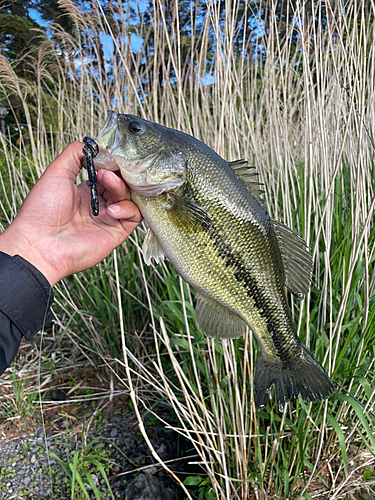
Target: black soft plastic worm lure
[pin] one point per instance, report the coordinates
(91, 150)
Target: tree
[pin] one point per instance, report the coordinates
(19, 33)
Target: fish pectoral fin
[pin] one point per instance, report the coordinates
(302, 376)
(248, 176)
(214, 319)
(151, 248)
(298, 264)
(187, 215)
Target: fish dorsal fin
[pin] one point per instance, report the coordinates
(298, 264)
(214, 319)
(187, 215)
(151, 248)
(248, 176)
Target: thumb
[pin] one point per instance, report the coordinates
(56, 185)
(68, 163)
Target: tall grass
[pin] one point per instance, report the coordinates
(301, 110)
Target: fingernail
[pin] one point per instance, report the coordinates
(115, 209)
(118, 179)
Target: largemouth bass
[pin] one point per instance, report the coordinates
(206, 216)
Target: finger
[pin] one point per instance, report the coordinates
(115, 185)
(68, 163)
(107, 195)
(101, 189)
(125, 209)
(85, 186)
(127, 213)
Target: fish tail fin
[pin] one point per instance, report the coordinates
(303, 377)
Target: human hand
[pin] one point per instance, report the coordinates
(55, 230)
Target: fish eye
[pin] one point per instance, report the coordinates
(135, 127)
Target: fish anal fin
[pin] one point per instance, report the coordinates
(303, 377)
(187, 215)
(214, 319)
(297, 261)
(248, 176)
(151, 248)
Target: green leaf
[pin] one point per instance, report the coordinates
(90, 481)
(193, 480)
(359, 411)
(306, 495)
(100, 467)
(341, 439)
(368, 474)
(181, 343)
(82, 486)
(210, 495)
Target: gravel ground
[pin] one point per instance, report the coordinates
(30, 469)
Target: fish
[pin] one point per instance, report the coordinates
(207, 217)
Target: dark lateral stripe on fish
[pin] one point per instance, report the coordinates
(255, 293)
(253, 290)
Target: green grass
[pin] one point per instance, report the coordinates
(81, 465)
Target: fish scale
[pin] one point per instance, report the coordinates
(206, 216)
(253, 306)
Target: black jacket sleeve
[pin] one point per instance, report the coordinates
(25, 300)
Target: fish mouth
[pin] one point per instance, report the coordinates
(109, 140)
(106, 136)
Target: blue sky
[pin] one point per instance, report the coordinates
(136, 41)
(36, 17)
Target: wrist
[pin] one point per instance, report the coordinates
(13, 243)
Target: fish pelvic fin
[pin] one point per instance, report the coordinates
(303, 377)
(214, 319)
(151, 248)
